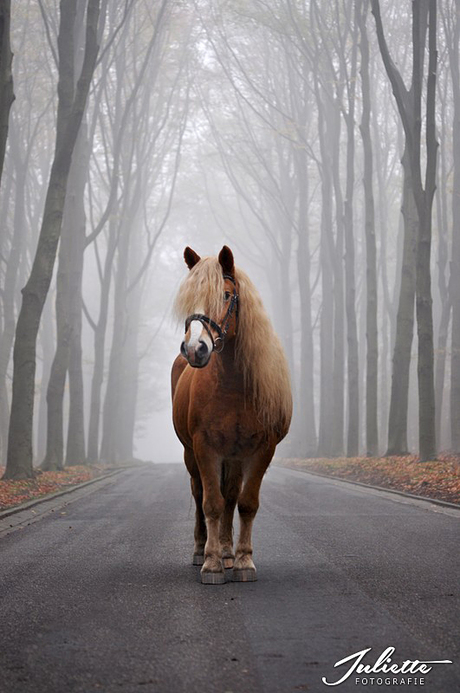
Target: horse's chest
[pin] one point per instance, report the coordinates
(234, 437)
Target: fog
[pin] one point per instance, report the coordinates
(315, 139)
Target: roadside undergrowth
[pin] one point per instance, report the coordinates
(16, 492)
(439, 479)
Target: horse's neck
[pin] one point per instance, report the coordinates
(229, 372)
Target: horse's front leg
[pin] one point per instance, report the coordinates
(209, 464)
(197, 492)
(200, 524)
(244, 569)
(231, 486)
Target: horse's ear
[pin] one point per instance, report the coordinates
(226, 260)
(191, 258)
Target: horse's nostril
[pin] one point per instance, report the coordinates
(183, 350)
(202, 350)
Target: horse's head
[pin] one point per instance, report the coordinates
(213, 319)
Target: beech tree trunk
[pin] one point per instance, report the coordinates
(350, 289)
(399, 400)
(455, 269)
(6, 77)
(68, 318)
(409, 106)
(325, 448)
(372, 441)
(306, 389)
(338, 377)
(71, 106)
(99, 351)
(10, 280)
(444, 293)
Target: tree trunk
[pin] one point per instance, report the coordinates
(350, 290)
(397, 426)
(99, 350)
(111, 419)
(454, 56)
(10, 284)
(47, 340)
(444, 293)
(424, 200)
(410, 109)
(71, 107)
(372, 444)
(306, 386)
(6, 77)
(338, 376)
(68, 315)
(325, 448)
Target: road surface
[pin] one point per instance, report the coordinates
(99, 595)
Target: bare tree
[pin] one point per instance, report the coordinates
(409, 106)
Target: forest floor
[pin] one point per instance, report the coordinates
(16, 492)
(439, 479)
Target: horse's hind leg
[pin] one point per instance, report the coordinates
(197, 492)
(244, 569)
(231, 486)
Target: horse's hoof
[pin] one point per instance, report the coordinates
(244, 575)
(228, 562)
(198, 559)
(208, 578)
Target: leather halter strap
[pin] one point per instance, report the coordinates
(222, 329)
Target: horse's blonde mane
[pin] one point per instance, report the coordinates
(259, 353)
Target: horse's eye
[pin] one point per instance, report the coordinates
(227, 295)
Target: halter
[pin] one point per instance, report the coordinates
(222, 329)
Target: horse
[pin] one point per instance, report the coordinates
(232, 405)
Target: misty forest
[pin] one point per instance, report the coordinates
(318, 139)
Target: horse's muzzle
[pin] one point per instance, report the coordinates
(197, 357)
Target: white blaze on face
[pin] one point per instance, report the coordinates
(198, 334)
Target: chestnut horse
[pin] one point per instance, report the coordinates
(232, 405)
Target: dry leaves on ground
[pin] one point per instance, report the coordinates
(15, 492)
(438, 479)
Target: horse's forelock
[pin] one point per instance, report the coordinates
(202, 289)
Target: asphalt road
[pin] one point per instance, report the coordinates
(100, 594)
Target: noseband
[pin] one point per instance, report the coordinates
(222, 329)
